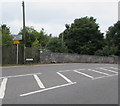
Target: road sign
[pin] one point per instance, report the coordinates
(17, 37)
(16, 41)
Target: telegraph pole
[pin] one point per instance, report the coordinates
(119, 11)
(23, 28)
(62, 39)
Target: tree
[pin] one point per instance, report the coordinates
(5, 35)
(29, 36)
(55, 45)
(107, 51)
(83, 36)
(43, 38)
(35, 38)
(36, 43)
(113, 39)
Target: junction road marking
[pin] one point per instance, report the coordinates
(19, 75)
(89, 76)
(3, 88)
(98, 72)
(40, 84)
(64, 71)
(115, 68)
(68, 80)
(109, 70)
(70, 70)
(105, 76)
(46, 89)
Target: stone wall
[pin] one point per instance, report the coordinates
(48, 57)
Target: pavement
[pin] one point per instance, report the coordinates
(72, 83)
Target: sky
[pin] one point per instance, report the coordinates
(52, 15)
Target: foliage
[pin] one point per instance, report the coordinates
(83, 36)
(29, 36)
(35, 43)
(34, 38)
(43, 38)
(113, 39)
(5, 35)
(55, 45)
(107, 51)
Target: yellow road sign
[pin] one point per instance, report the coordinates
(16, 42)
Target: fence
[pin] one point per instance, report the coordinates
(9, 56)
(32, 52)
(0, 55)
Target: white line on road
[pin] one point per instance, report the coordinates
(115, 68)
(3, 88)
(65, 71)
(98, 72)
(69, 81)
(19, 75)
(109, 70)
(104, 76)
(89, 76)
(40, 84)
(70, 70)
(46, 89)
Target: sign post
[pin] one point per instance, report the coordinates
(16, 41)
(24, 27)
(17, 53)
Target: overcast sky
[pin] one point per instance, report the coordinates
(52, 15)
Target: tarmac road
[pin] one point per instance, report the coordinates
(73, 83)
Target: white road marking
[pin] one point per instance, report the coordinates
(19, 75)
(109, 70)
(46, 89)
(65, 71)
(3, 88)
(40, 84)
(68, 80)
(104, 76)
(70, 70)
(89, 76)
(115, 68)
(98, 72)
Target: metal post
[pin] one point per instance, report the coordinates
(24, 28)
(17, 54)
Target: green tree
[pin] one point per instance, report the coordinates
(36, 43)
(43, 38)
(83, 36)
(5, 35)
(113, 39)
(29, 36)
(55, 45)
(35, 38)
(107, 51)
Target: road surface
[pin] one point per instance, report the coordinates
(73, 83)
